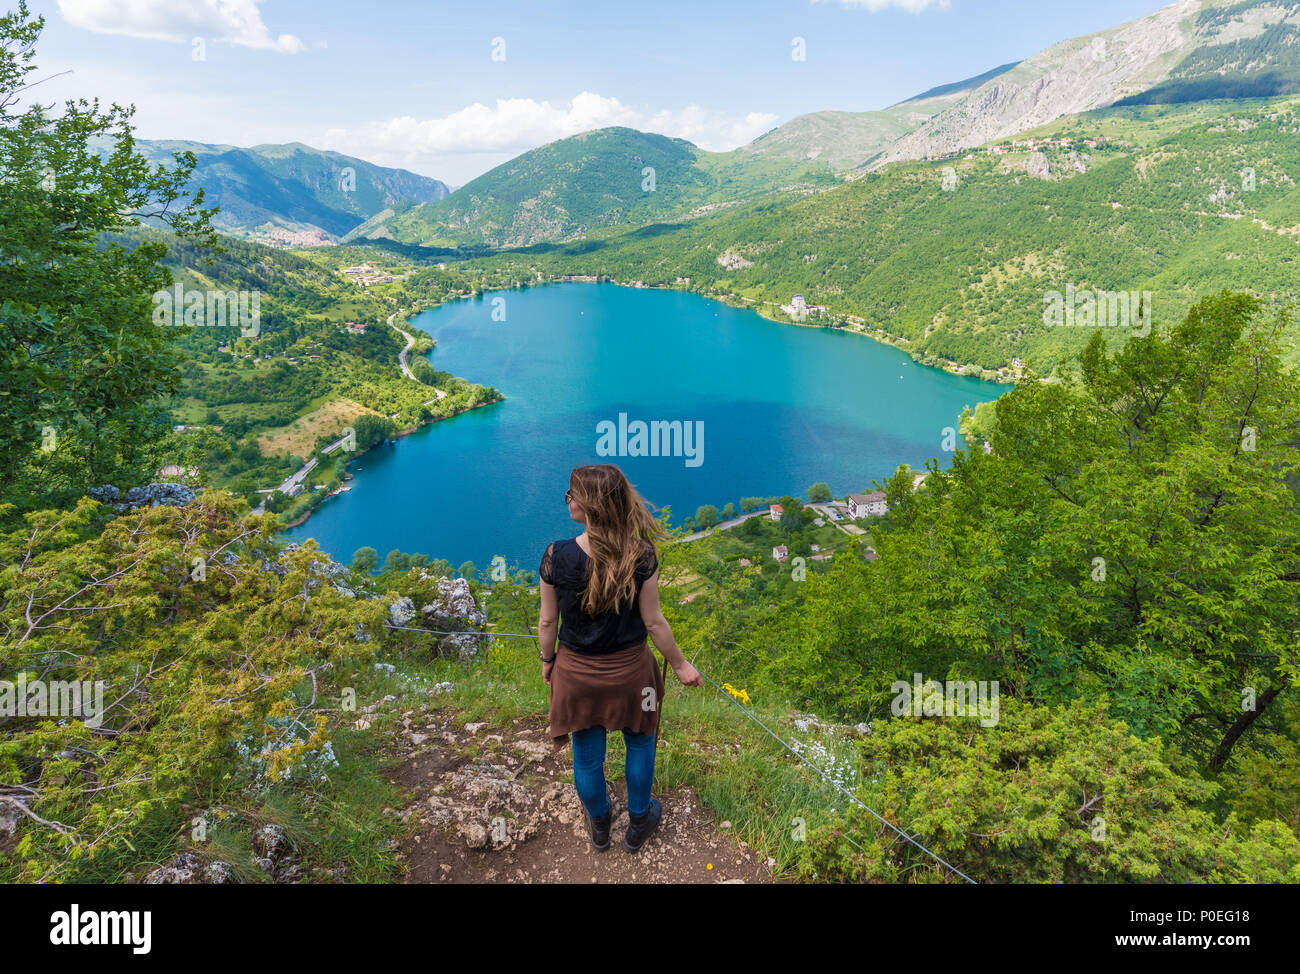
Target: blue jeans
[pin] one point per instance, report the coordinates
(589, 770)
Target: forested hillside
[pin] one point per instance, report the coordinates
(953, 260)
(622, 177)
(257, 407)
(609, 177)
(1186, 52)
(1123, 562)
(1119, 570)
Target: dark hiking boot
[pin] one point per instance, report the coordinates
(641, 827)
(598, 829)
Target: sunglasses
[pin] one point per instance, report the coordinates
(568, 496)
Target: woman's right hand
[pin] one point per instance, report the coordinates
(688, 674)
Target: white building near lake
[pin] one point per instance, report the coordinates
(867, 505)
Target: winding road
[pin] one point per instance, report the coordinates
(766, 512)
(410, 343)
(401, 359)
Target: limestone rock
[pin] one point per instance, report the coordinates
(188, 868)
(454, 610)
(151, 495)
(402, 612)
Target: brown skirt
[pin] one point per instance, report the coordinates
(612, 690)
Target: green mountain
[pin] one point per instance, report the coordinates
(1188, 51)
(952, 261)
(609, 177)
(293, 193)
(598, 179)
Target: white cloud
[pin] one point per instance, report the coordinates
(909, 6)
(179, 21)
(514, 125)
(712, 130)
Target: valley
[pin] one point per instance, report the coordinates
(991, 393)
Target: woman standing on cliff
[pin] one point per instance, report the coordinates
(602, 588)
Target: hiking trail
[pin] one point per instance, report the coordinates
(489, 804)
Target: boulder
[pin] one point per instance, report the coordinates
(402, 612)
(454, 610)
(150, 495)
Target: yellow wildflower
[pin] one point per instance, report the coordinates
(740, 695)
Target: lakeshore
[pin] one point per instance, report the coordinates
(781, 408)
(831, 320)
(397, 435)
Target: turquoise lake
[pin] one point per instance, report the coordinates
(781, 408)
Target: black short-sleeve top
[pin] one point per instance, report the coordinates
(565, 566)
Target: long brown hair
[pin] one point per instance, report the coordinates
(619, 523)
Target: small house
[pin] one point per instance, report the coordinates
(780, 552)
(775, 512)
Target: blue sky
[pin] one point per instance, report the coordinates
(416, 84)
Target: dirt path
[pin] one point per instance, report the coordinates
(496, 804)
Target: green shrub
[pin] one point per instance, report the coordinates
(1049, 794)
